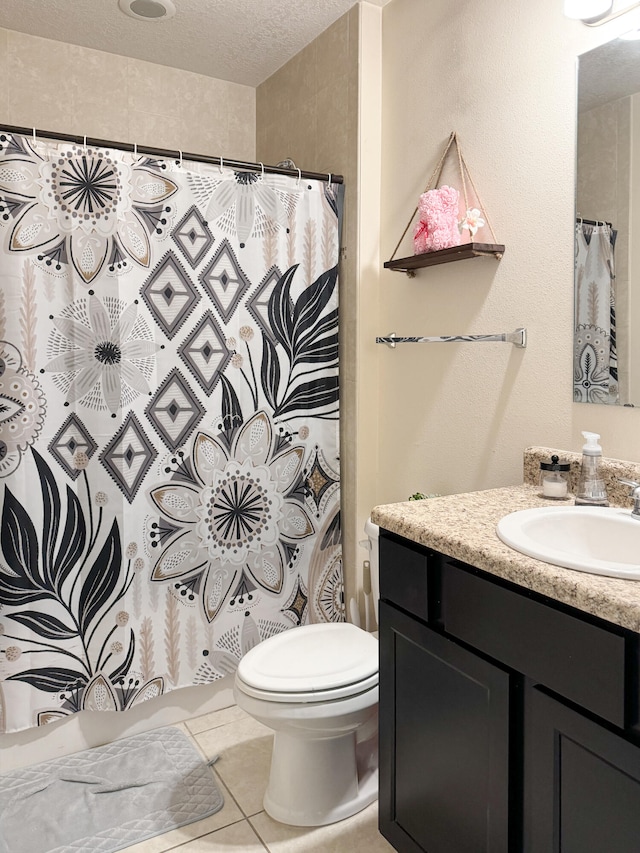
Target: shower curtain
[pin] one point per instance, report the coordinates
(169, 459)
(595, 366)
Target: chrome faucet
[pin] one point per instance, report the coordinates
(635, 494)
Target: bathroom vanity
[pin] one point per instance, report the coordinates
(509, 689)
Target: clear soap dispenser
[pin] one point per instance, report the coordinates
(591, 488)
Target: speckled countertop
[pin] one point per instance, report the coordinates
(464, 527)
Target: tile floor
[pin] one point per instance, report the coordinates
(244, 749)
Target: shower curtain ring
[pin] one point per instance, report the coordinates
(330, 181)
(221, 166)
(262, 169)
(34, 136)
(299, 177)
(135, 150)
(180, 160)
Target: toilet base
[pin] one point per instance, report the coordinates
(315, 782)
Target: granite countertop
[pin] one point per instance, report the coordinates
(464, 527)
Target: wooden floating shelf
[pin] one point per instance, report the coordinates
(445, 256)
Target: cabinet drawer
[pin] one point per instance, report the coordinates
(573, 657)
(403, 574)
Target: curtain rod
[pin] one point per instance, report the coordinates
(584, 221)
(171, 153)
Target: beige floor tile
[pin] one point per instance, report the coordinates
(240, 837)
(215, 719)
(228, 814)
(357, 834)
(244, 750)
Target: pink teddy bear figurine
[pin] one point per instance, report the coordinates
(438, 225)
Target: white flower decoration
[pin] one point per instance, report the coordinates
(248, 206)
(472, 221)
(97, 352)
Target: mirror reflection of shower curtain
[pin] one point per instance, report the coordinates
(595, 365)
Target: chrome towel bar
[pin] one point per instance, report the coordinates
(518, 338)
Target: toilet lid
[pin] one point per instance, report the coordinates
(311, 658)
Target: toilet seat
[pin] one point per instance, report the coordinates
(346, 691)
(313, 663)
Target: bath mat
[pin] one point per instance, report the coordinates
(103, 799)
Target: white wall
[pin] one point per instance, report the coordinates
(456, 417)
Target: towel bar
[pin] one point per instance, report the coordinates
(518, 338)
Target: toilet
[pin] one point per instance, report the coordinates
(316, 686)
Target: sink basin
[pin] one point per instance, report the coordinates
(598, 540)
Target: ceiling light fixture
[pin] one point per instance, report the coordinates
(587, 10)
(594, 13)
(153, 11)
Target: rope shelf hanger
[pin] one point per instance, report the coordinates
(472, 249)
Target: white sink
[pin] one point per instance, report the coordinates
(598, 540)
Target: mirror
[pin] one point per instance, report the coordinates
(606, 355)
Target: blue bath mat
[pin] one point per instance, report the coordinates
(101, 800)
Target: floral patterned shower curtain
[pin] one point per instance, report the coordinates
(595, 361)
(169, 460)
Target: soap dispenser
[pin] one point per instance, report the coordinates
(591, 489)
(554, 479)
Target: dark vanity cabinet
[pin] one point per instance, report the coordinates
(583, 782)
(508, 722)
(444, 765)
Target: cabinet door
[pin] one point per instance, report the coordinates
(582, 783)
(444, 757)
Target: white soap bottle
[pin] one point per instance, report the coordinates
(591, 488)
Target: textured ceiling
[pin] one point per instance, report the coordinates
(243, 41)
(608, 72)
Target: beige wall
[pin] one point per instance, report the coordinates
(69, 89)
(322, 109)
(456, 417)
(603, 163)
